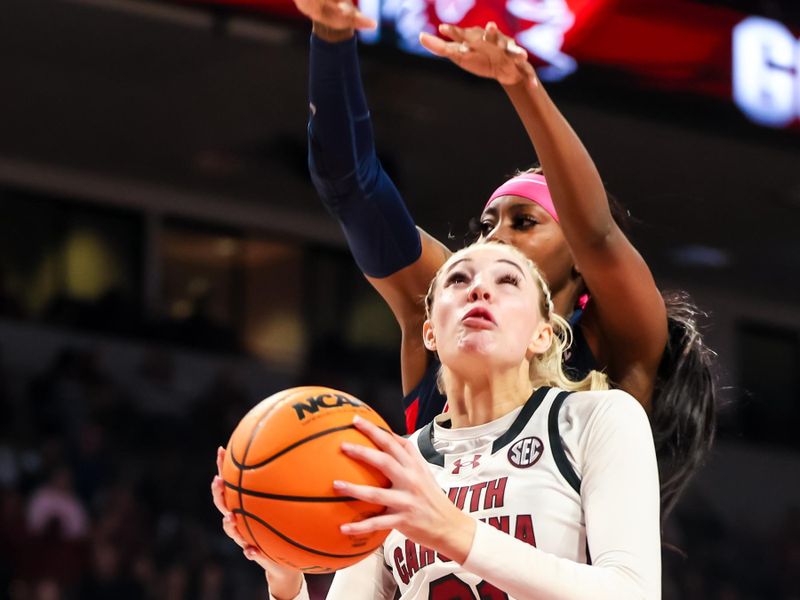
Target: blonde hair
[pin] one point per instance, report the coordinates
(546, 369)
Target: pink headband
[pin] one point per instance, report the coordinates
(530, 186)
(533, 187)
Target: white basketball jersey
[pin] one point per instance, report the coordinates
(518, 480)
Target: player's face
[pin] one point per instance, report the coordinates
(530, 228)
(485, 309)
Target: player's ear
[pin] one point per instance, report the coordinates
(428, 337)
(541, 342)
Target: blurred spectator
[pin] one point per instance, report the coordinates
(155, 389)
(218, 410)
(56, 507)
(175, 583)
(10, 305)
(787, 562)
(14, 538)
(47, 589)
(107, 579)
(7, 412)
(69, 392)
(91, 462)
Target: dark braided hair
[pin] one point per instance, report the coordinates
(684, 402)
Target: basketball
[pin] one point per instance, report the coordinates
(279, 469)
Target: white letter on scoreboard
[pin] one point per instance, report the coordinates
(765, 61)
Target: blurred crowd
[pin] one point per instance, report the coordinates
(104, 493)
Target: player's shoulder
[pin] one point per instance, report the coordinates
(612, 403)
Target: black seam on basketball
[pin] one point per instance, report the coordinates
(557, 447)
(319, 434)
(286, 538)
(257, 427)
(257, 494)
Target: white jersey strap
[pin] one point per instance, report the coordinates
(433, 456)
(557, 446)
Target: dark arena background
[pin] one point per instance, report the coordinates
(165, 262)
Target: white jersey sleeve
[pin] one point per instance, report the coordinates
(368, 579)
(609, 443)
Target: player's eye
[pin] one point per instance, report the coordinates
(485, 227)
(511, 278)
(456, 277)
(524, 222)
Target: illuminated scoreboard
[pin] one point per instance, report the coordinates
(766, 72)
(671, 45)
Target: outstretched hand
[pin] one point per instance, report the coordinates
(483, 51)
(415, 504)
(335, 14)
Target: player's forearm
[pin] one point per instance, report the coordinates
(339, 129)
(345, 168)
(575, 185)
(287, 587)
(329, 34)
(525, 572)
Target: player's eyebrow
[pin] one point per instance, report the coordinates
(513, 264)
(460, 260)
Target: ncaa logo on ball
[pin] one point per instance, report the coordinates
(526, 452)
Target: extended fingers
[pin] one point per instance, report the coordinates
(374, 495)
(453, 50)
(491, 33)
(228, 520)
(229, 527)
(358, 19)
(384, 462)
(460, 34)
(218, 494)
(220, 460)
(338, 14)
(387, 441)
(379, 523)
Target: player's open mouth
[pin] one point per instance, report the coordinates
(479, 317)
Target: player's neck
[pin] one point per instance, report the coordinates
(479, 399)
(565, 299)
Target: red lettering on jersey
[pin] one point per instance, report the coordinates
(500, 523)
(524, 529)
(458, 496)
(400, 566)
(475, 500)
(426, 556)
(495, 493)
(412, 563)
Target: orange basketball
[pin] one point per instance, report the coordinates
(279, 470)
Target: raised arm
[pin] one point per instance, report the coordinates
(398, 259)
(627, 316)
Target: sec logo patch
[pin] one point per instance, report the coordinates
(526, 452)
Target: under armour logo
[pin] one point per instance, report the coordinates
(459, 464)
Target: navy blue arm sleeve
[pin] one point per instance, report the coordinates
(345, 168)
